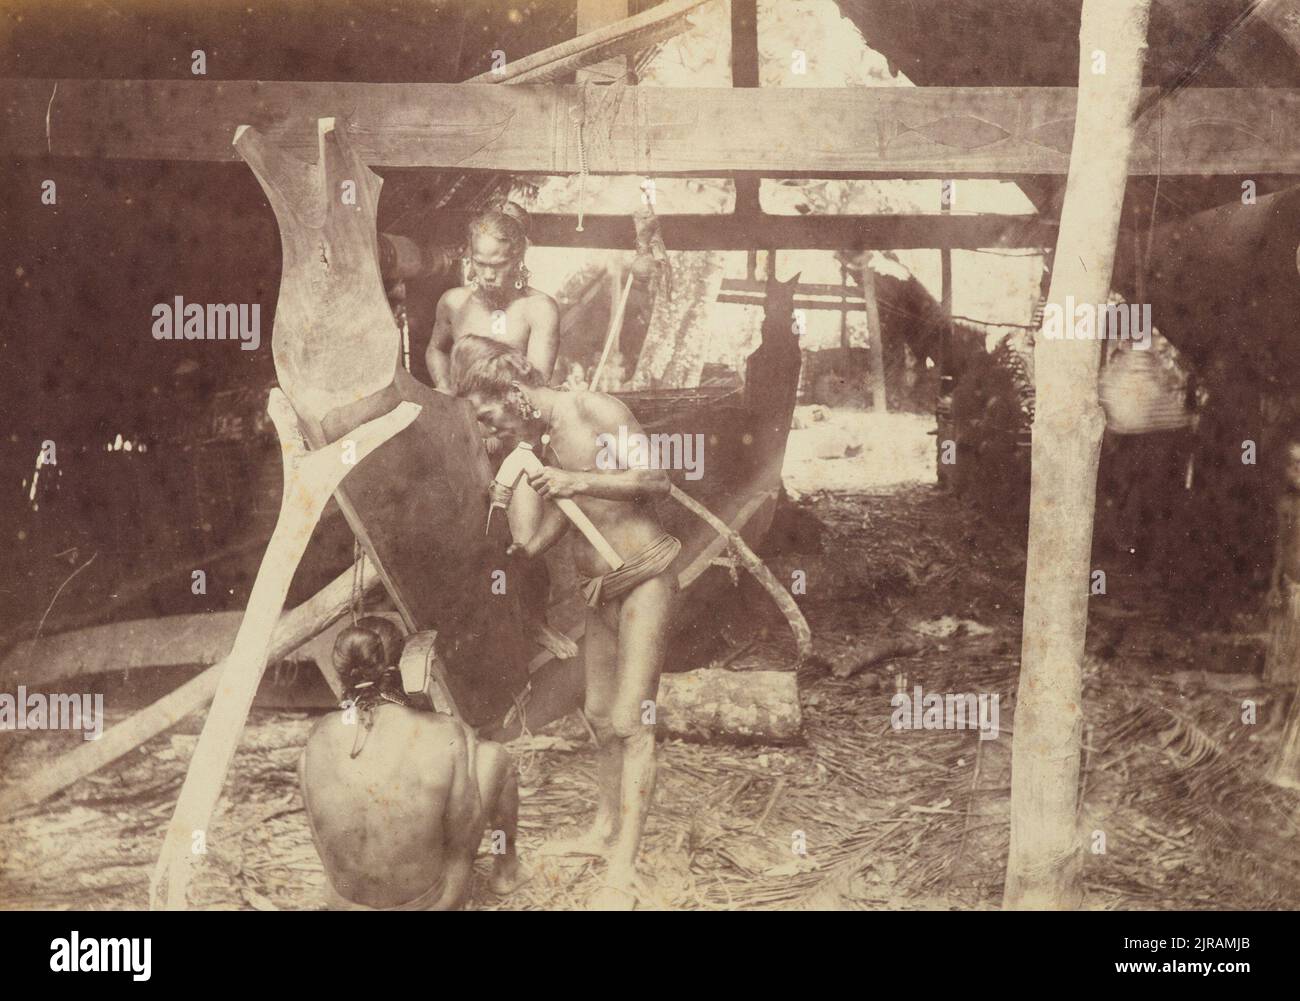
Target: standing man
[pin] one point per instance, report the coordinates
(498, 304)
(628, 609)
(496, 300)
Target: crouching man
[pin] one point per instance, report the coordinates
(628, 609)
(397, 798)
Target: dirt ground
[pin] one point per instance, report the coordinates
(859, 815)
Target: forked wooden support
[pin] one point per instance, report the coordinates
(416, 507)
(309, 480)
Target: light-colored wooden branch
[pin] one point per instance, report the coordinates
(309, 480)
(1044, 869)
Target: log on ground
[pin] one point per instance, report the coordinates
(712, 704)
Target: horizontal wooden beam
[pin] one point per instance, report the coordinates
(743, 299)
(796, 232)
(783, 132)
(756, 287)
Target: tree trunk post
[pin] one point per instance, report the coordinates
(876, 333)
(1044, 868)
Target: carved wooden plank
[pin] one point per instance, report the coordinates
(801, 132)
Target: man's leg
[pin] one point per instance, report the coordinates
(499, 789)
(600, 661)
(642, 638)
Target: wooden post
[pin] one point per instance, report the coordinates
(943, 393)
(945, 289)
(846, 347)
(1044, 867)
(744, 73)
(877, 340)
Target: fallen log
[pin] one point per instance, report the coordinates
(294, 628)
(710, 704)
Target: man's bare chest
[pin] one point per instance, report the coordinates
(572, 448)
(509, 326)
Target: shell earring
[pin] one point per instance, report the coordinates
(524, 406)
(521, 281)
(468, 277)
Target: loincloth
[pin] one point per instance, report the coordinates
(335, 901)
(651, 562)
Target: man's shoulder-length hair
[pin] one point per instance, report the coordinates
(486, 367)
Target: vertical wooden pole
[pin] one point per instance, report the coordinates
(877, 340)
(744, 73)
(1045, 863)
(846, 348)
(943, 394)
(945, 294)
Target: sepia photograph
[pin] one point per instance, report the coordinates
(651, 455)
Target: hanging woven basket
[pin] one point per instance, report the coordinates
(1138, 396)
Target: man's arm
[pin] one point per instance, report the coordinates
(606, 484)
(550, 530)
(438, 355)
(544, 335)
(605, 415)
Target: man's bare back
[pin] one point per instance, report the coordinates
(400, 823)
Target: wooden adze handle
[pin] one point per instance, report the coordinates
(309, 480)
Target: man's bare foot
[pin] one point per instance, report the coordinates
(553, 641)
(507, 879)
(595, 841)
(620, 890)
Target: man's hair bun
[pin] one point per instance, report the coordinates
(508, 223)
(519, 214)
